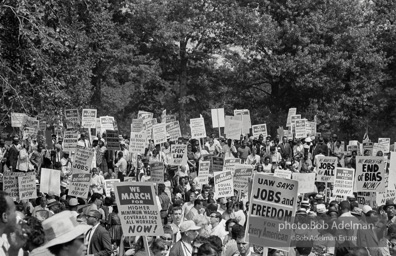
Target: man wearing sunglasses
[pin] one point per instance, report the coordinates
(218, 229)
(97, 239)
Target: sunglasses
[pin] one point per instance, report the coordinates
(166, 238)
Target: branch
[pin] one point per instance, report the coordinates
(16, 92)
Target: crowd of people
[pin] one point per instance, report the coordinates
(194, 221)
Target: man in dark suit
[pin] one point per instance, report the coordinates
(285, 149)
(97, 239)
(12, 154)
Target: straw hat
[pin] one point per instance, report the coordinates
(62, 228)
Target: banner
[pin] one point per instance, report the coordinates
(50, 181)
(259, 129)
(112, 140)
(242, 174)
(285, 174)
(137, 142)
(326, 168)
(157, 172)
(173, 130)
(138, 209)
(159, 133)
(27, 187)
(382, 197)
(301, 132)
(246, 122)
(197, 126)
(145, 115)
(217, 117)
(223, 184)
(82, 160)
(204, 168)
(344, 182)
(88, 119)
(273, 203)
(200, 181)
(292, 112)
(79, 185)
(137, 125)
(72, 118)
(384, 144)
(179, 154)
(10, 183)
(109, 186)
(17, 119)
(234, 129)
(306, 182)
(370, 174)
(70, 139)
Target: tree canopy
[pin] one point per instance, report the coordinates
(329, 58)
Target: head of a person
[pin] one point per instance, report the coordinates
(120, 154)
(35, 233)
(230, 206)
(242, 244)
(95, 171)
(189, 231)
(54, 205)
(216, 244)
(65, 236)
(167, 237)
(372, 217)
(192, 197)
(390, 208)
(7, 213)
(198, 204)
(215, 218)
(380, 153)
(267, 160)
(43, 201)
(97, 199)
(229, 224)
(93, 217)
(177, 214)
(345, 206)
(391, 232)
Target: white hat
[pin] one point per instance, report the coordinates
(62, 228)
(308, 139)
(188, 225)
(73, 202)
(94, 138)
(321, 208)
(366, 208)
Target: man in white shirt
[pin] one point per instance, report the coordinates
(122, 166)
(97, 182)
(82, 142)
(217, 228)
(188, 205)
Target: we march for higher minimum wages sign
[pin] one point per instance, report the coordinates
(138, 209)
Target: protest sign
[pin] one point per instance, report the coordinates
(234, 129)
(137, 125)
(306, 182)
(171, 118)
(370, 173)
(197, 126)
(106, 123)
(217, 164)
(227, 122)
(31, 122)
(229, 164)
(200, 181)
(50, 181)
(145, 115)
(313, 128)
(70, 139)
(17, 119)
(138, 209)
(112, 140)
(88, 119)
(384, 144)
(148, 127)
(326, 168)
(246, 122)
(204, 168)
(301, 132)
(157, 172)
(242, 173)
(79, 185)
(217, 117)
(259, 129)
(159, 133)
(27, 187)
(366, 198)
(29, 133)
(273, 202)
(137, 142)
(292, 112)
(72, 118)
(179, 154)
(392, 171)
(286, 174)
(368, 148)
(82, 160)
(382, 197)
(294, 118)
(173, 130)
(109, 186)
(224, 185)
(344, 182)
(10, 183)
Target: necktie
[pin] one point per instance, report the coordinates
(87, 239)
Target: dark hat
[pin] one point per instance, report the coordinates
(389, 202)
